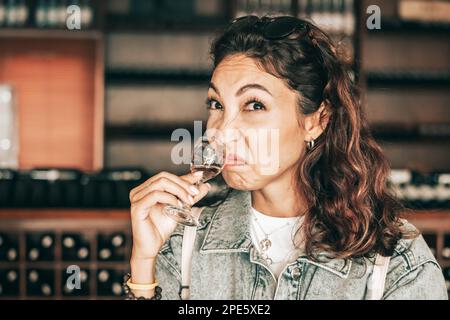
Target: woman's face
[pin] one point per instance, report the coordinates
(256, 115)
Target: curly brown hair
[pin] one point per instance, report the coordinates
(351, 211)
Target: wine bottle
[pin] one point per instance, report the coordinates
(2, 13)
(41, 14)
(11, 13)
(349, 18)
(118, 240)
(87, 14)
(327, 16)
(9, 247)
(104, 254)
(109, 282)
(12, 275)
(40, 246)
(33, 276)
(33, 254)
(83, 253)
(67, 287)
(40, 282)
(12, 254)
(253, 7)
(302, 7)
(426, 192)
(316, 12)
(337, 20)
(22, 13)
(9, 282)
(62, 14)
(116, 288)
(103, 275)
(285, 7)
(265, 6)
(446, 248)
(443, 180)
(52, 14)
(431, 240)
(75, 247)
(111, 246)
(241, 8)
(446, 272)
(104, 282)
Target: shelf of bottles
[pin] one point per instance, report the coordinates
(430, 132)
(442, 257)
(46, 14)
(428, 194)
(35, 263)
(74, 189)
(431, 239)
(168, 15)
(40, 263)
(421, 190)
(335, 17)
(64, 188)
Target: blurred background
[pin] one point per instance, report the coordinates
(87, 114)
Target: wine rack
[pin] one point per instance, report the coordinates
(421, 190)
(98, 242)
(37, 254)
(434, 224)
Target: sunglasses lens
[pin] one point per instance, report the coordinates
(281, 27)
(244, 21)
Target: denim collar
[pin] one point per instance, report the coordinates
(229, 231)
(229, 228)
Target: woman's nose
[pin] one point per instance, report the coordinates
(229, 120)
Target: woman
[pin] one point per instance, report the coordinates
(312, 227)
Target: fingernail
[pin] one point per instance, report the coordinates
(194, 190)
(180, 204)
(209, 186)
(191, 200)
(198, 173)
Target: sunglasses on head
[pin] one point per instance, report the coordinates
(273, 28)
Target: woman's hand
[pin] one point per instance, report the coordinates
(151, 227)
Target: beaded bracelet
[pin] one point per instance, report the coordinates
(129, 295)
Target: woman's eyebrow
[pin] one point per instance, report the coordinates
(212, 86)
(242, 89)
(252, 86)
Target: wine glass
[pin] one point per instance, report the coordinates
(208, 157)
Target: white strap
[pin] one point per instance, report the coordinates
(186, 255)
(376, 283)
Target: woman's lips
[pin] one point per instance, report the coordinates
(234, 160)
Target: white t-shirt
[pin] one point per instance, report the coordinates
(281, 232)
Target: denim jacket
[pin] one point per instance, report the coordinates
(225, 265)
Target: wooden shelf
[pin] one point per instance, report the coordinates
(403, 78)
(403, 26)
(128, 23)
(145, 131)
(116, 76)
(50, 33)
(402, 132)
(64, 213)
(430, 220)
(36, 213)
(158, 131)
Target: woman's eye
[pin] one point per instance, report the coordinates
(254, 106)
(214, 105)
